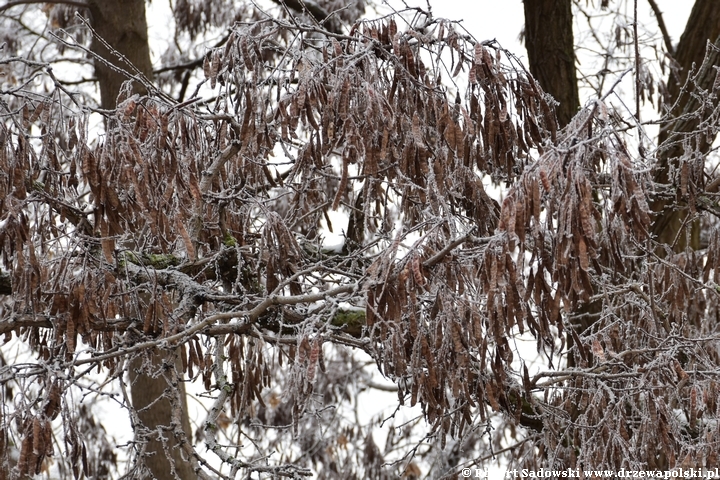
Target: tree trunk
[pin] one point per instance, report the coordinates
(549, 43)
(123, 26)
(152, 392)
(671, 213)
(551, 52)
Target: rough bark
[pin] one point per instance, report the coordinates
(153, 395)
(551, 52)
(702, 25)
(123, 26)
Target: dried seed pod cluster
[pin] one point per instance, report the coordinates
(186, 244)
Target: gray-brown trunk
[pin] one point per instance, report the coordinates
(122, 24)
(551, 52)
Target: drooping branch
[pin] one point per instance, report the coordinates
(698, 55)
(210, 426)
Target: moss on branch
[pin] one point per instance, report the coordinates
(350, 321)
(158, 261)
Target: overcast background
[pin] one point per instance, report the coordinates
(501, 20)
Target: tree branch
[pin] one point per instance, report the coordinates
(435, 259)
(315, 10)
(251, 315)
(15, 3)
(663, 29)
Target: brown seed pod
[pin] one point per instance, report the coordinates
(417, 270)
(545, 180)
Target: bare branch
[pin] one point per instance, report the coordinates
(663, 29)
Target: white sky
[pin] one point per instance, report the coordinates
(503, 19)
(484, 19)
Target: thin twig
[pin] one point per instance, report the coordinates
(251, 315)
